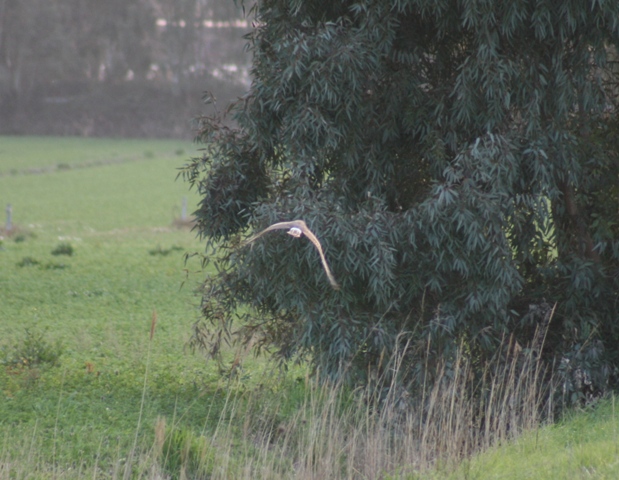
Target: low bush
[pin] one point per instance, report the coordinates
(63, 249)
(34, 349)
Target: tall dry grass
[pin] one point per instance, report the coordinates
(339, 434)
(383, 431)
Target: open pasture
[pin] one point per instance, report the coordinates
(31, 154)
(92, 258)
(125, 258)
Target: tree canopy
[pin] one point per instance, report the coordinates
(458, 161)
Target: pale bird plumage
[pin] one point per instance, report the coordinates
(296, 228)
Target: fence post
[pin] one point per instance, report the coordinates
(184, 209)
(9, 217)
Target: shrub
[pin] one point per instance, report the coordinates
(33, 349)
(28, 262)
(164, 251)
(63, 249)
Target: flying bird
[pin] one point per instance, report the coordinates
(296, 229)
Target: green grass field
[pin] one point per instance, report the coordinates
(127, 262)
(583, 445)
(116, 404)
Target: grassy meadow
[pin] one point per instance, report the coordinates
(88, 390)
(109, 206)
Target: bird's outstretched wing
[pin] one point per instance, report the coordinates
(299, 224)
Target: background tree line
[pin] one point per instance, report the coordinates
(119, 67)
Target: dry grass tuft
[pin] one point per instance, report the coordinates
(184, 223)
(339, 434)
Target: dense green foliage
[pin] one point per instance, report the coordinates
(458, 161)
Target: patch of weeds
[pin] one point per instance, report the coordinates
(179, 152)
(33, 262)
(165, 251)
(28, 262)
(55, 266)
(94, 293)
(63, 166)
(188, 222)
(149, 154)
(63, 249)
(185, 454)
(88, 293)
(18, 234)
(34, 349)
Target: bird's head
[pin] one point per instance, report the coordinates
(295, 232)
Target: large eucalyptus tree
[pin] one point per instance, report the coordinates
(457, 159)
